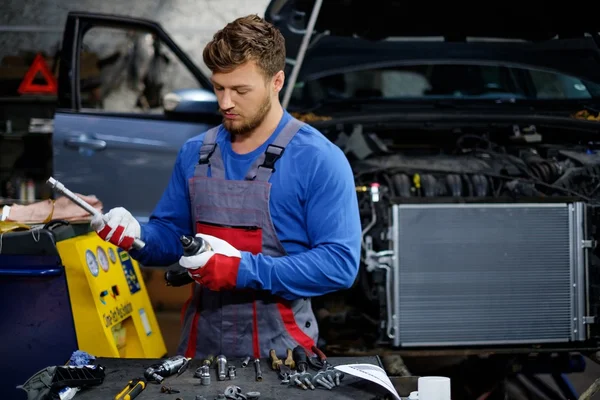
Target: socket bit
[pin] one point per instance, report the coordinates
(204, 375)
(231, 372)
(258, 371)
(245, 362)
(221, 367)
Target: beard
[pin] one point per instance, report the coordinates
(246, 126)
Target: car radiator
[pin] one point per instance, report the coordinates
(488, 274)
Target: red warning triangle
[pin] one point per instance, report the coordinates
(38, 66)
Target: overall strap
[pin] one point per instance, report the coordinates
(264, 165)
(209, 145)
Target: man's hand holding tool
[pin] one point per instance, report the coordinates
(117, 226)
(216, 269)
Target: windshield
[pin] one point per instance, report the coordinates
(443, 81)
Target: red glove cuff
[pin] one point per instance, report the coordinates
(219, 273)
(125, 243)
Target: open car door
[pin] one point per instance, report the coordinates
(120, 119)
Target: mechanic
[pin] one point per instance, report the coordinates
(273, 197)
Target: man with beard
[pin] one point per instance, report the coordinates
(271, 195)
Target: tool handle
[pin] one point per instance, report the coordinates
(289, 361)
(319, 353)
(300, 358)
(257, 370)
(178, 277)
(137, 389)
(73, 197)
(275, 362)
(138, 244)
(120, 395)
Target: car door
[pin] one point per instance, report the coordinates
(112, 136)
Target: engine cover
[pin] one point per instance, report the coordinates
(489, 274)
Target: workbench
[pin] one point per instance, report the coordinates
(119, 371)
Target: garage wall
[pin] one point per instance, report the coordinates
(31, 26)
(35, 25)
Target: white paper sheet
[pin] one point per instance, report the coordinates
(370, 372)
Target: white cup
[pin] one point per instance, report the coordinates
(434, 388)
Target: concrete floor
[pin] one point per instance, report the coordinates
(169, 321)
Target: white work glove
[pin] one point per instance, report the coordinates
(216, 269)
(117, 227)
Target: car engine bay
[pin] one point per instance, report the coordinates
(468, 169)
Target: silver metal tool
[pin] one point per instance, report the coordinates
(245, 362)
(231, 372)
(221, 367)
(234, 393)
(137, 243)
(205, 375)
(167, 367)
(257, 369)
(320, 379)
(252, 395)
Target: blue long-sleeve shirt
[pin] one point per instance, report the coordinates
(313, 206)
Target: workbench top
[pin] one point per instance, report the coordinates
(120, 371)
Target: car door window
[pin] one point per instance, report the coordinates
(128, 71)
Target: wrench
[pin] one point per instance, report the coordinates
(137, 243)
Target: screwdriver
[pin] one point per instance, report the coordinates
(275, 362)
(132, 390)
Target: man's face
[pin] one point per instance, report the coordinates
(244, 97)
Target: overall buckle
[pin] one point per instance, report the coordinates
(206, 150)
(272, 154)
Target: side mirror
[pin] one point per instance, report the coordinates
(191, 101)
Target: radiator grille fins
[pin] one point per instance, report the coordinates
(483, 274)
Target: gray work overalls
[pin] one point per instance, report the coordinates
(240, 323)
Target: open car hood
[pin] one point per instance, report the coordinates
(563, 39)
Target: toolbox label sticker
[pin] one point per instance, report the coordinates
(117, 314)
(145, 322)
(130, 275)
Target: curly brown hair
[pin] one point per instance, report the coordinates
(248, 38)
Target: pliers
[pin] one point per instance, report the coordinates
(132, 390)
